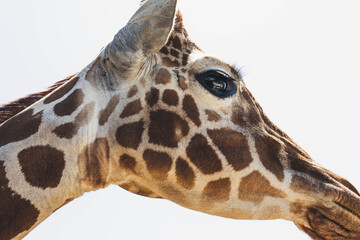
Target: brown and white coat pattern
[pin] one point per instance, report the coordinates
(152, 129)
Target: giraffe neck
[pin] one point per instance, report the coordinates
(51, 153)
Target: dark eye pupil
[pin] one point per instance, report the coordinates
(216, 84)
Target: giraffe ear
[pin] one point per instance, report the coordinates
(146, 32)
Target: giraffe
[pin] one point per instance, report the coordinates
(157, 116)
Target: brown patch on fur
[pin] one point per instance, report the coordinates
(174, 53)
(143, 81)
(170, 97)
(94, 163)
(20, 127)
(42, 166)
(171, 192)
(253, 112)
(218, 190)
(234, 146)
(251, 116)
(255, 187)
(70, 104)
(152, 96)
(297, 208)
(203, 156)
(133, 91)
(70, 129)
(238, 116)
(185, 176)
(309, 168)
(177, 43)
(185, 59)
(164, 50)
(157, 163)
(163, 76)
(85, 114)
(180, 41)
(66, 130)
(129, 135)
(191, 109)
(212, 116)
(16, 214)
(167, 128)
(268, 149)
(127, 162)
(182, 83)
(169, 63)
(62, 88)
(109, 109)
(125, 186)
(131, 109)
(146, 193)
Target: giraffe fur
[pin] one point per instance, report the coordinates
(138, 117)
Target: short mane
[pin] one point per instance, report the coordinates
(11, 109)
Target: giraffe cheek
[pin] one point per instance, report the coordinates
(191, 110)
(203, 156)
(185, 175)
(167, 128)
(218, 190)
(127, 162)
(130, 135)
(234, 146)
(158, 164)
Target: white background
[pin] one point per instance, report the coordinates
(301, 60)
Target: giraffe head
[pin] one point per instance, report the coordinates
(161, 118)
(189, 130)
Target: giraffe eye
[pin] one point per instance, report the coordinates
(217, 83)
